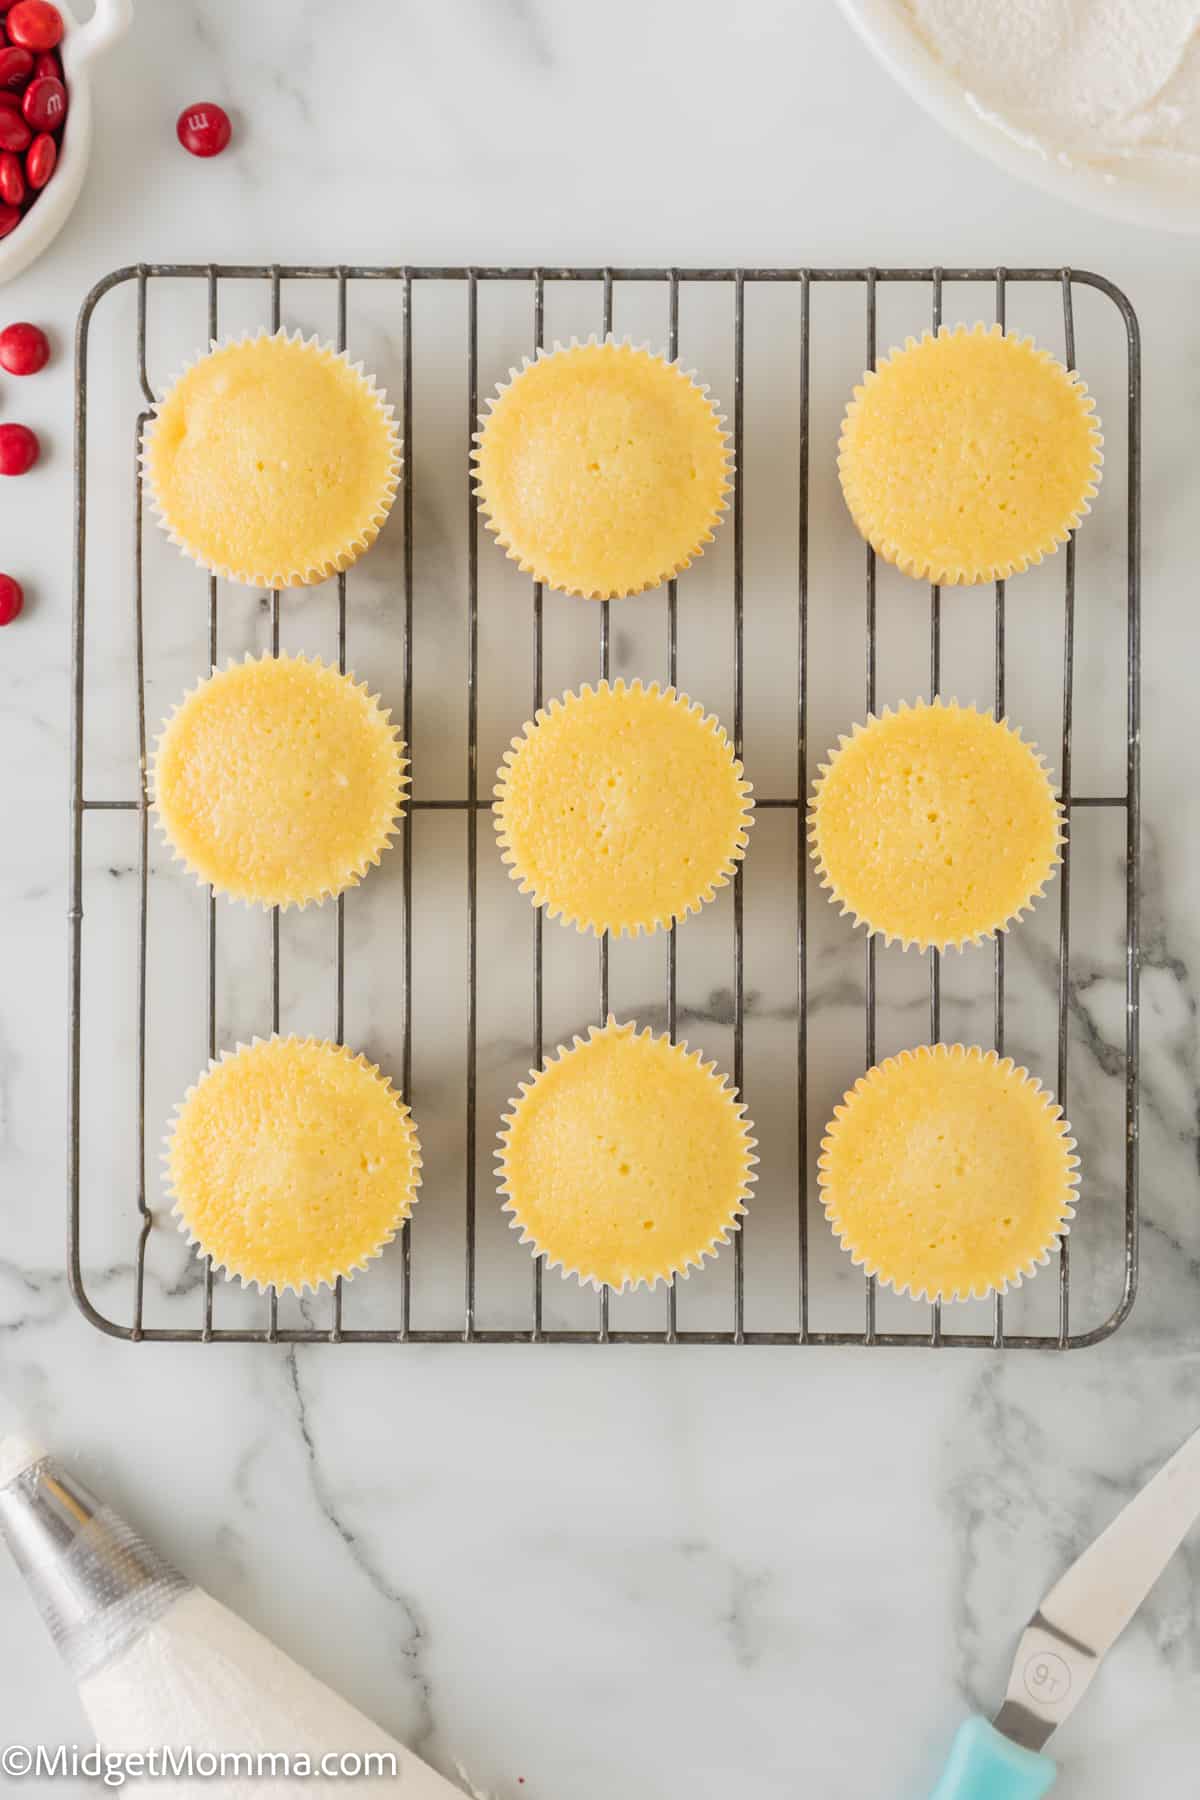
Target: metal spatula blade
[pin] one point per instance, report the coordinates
(1077, 1623)
(1083, 1614)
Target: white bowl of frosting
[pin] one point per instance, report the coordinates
(1097, 101)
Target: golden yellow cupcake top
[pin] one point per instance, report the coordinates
(602, 469)
(626, 1159)
(969, 455)
(292, 1162)
(934, 825)
(273, 461)
(948, 1173)
(279, 780)
(622, 808)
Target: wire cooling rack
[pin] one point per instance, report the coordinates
(927, 1326)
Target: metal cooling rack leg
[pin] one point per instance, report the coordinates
(272, 1292)
(605, 1296)
(340, 926)
(1133, 811)
(139, 1296)
(801, 814)
(472, 788)
(1000, 619)
(211, 898)
(1064, 891)
(935, 688)
(341, 617)
(275, 322)
(998, 951)
(406, 845)
(739, 682)
(539, 337)
(869, 1325)
(672, 680)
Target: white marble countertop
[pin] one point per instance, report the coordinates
(669, 1573)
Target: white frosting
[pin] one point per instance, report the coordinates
(1107, 83)
(17, 1453)
(202, 1677)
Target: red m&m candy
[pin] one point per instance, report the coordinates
(14, 132)
(12, 599)
(34, 25)
(19, 449)
(40, 159)
(44, 104)
(12, 178)
(24, 349)
(203, 129)
(16, 66)
(33, 103)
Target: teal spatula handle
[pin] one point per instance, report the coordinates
(985, 1765)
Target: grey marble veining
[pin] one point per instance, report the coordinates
(573, 1573)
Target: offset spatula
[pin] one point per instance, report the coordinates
(1077, 1623)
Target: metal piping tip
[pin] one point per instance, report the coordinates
(96, 1583)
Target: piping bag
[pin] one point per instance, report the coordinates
(161, 1664)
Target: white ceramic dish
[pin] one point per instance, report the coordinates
(885, 28)
(80, 46)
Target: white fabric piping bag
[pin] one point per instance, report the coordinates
(161, 1664)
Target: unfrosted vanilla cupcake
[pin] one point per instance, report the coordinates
(626, 1160)
(934, 825)
(602, 469)
(272, 460)
(279, 780)
(948, 1173)
(967, 456)
(622, 808)
(291, 1163)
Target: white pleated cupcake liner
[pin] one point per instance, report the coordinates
(247, 1280)
(358, 871)
(950, 575)
(871, 1266)
(364, 537)
(662, 920)
(657, 578)
(696, 1259)
(861, 918)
